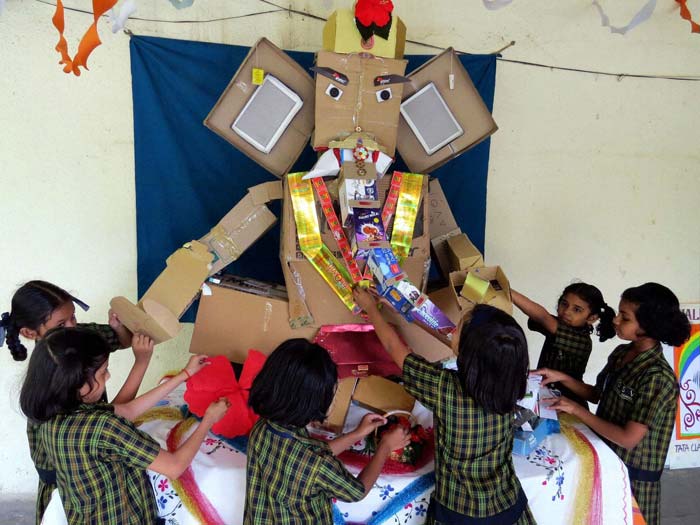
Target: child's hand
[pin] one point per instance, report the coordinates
(142, 346)
(369, 423)
(396, 438)
(364, 299)
(216, 410)
(564, 404)
(196, 363)
(114, 320)
(549, 375)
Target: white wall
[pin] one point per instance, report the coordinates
(591, 177)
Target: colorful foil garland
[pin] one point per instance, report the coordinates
(311, 244)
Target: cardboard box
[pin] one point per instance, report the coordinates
(368, 229)
(385, 267)
(492, 287)
(340, 405)
(525, 441)
(348, 97)
(172, 292)
(462, 253)
(381, 395)
(237, 314)
(271, 60)
(312, 302)
(464, 103)
(442, 222)
(249, 220)
(340, 35)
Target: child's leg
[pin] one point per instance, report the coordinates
(648, 496)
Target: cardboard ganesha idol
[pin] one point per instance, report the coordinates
(348, 219)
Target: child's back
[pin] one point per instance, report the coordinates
(101, 461)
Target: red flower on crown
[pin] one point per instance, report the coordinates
(373, 11)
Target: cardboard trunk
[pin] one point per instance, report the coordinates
(464, 104)
(265, 56)
(355, 101)
(237, 314)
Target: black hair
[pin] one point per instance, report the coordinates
(32, 305)
(61, 363)
(493, 360)
(594, 299)
(296, 385)
(658, 313)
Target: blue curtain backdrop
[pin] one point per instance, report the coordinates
(187, 177)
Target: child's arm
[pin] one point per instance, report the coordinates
(535, 311)
(123, 333)
(387, 335)
(139, 405)
(368, 424)
(581, 389)
(173, 464)
(394, 439)
(628, 436)
(142, 346)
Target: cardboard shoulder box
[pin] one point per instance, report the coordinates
(290, 92)
(440, 121)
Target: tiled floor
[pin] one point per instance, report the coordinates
(680, 501)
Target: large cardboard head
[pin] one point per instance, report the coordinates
(358, 93)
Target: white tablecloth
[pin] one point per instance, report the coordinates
(571, 478)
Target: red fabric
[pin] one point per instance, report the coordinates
(374, 11)
(218, 380)
(356, 350)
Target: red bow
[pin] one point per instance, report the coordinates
(373, 11)
(218, 380)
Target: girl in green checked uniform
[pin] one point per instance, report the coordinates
(567, 344)
(100, 458)
(637, 390)
(37, 307)
(475, 481)
(291, 477)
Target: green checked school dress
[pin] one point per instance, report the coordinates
(47, 474)
(292, 478)
(644, 390)
(101, 460)
(566, 350)
(475, 479)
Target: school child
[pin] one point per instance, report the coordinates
(291, 477)
(100, 457)
(567, 344)
(637, 390)
(472, 409)
(39, 306)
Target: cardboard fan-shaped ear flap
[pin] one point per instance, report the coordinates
(154, 320)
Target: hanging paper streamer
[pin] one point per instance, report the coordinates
(685, 15)
(311, 244)
(641, 16)
(406, 213)
(117, 21)
(495, 5)
(181, 4)
(89, 41)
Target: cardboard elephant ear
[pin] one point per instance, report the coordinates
(154, 320)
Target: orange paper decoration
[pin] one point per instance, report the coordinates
(686, 15)
(89, 41)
